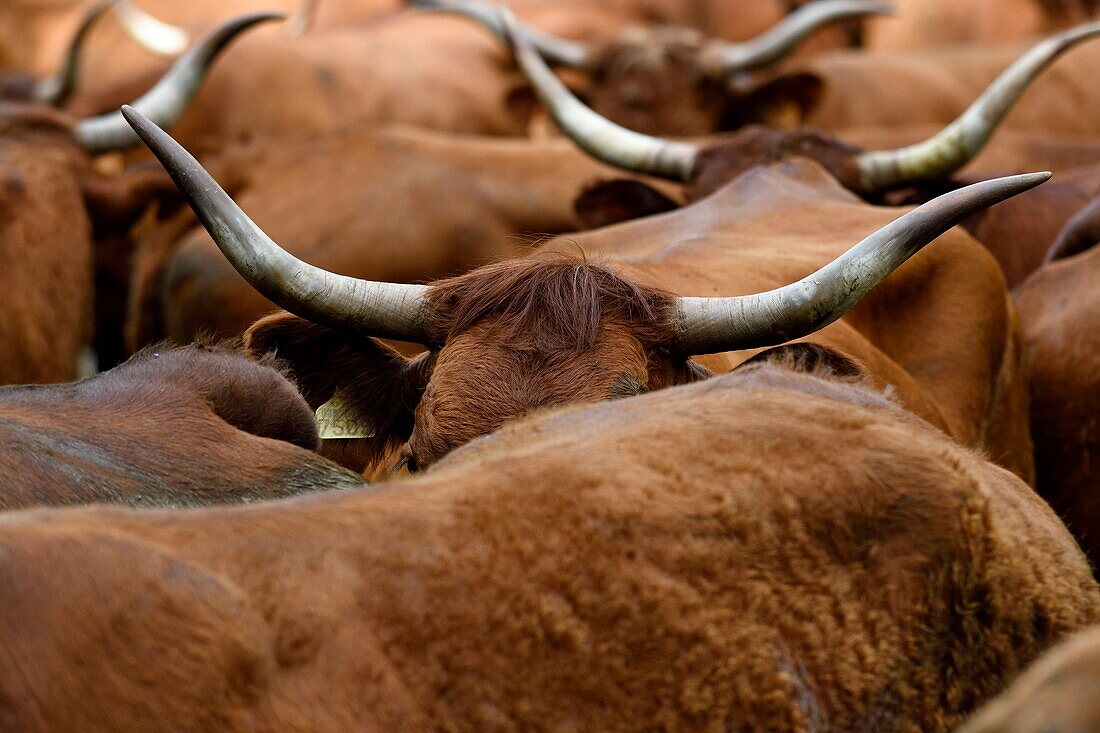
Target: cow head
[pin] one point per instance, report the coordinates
(705, 167)
(530, 332)
(673, 81)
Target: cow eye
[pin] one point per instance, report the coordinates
(407, 461)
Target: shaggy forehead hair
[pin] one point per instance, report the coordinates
(550, 302)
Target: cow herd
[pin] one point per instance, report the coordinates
(554, 365)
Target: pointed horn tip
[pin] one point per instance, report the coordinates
(136, 120)
(1010, 186)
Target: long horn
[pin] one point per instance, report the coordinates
(713, 325)
(364, 306)
(964, 138)
(776, 43)
(554, 49)
(597, 135)
(168, 99)
(303, 21)
(152, 34)
(57, 89)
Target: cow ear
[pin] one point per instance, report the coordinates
(370, 387)
(815, 359)
(782, 102)
(115, 202)
(611, 202)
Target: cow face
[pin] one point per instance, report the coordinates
(510, 338)
(658, 81)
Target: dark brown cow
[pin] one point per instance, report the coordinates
(52, 201)
(1060, 311)
(556, 328)
(667, 80)
(172, 427)
(1057, 694)
(769, 550)
(488, 198)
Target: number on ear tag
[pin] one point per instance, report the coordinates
(337, 420)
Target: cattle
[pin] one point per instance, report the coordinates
(1016, 232)
(926, 24)
(53, 199)
(1057, 693)
(1059, 306)
(502, 196)
(703, 167)
(669, 80)
(171, 428)
(594, 316)
(843, 90)
(769, 550)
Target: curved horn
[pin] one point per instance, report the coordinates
(964, 138)
(713, 325)
(304, 20)
(597, 135)
(554, 49)
(152, 34)
(168, 99)
(377, 309)
(776, 43)
(56, 89)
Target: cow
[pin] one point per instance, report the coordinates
(1056, 693)
(774, 549)
(53, 199)
(177, 427)
(1059, 306)
(843, 90)
(1016, 232)
(595, 315)
(669, 80)
(928, 24)
(705, 166)
(502, 195)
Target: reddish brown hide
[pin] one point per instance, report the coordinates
(928, 24)
(182, 427)
(764, 551)
(845, 90)
(547, 329)
(52, 200)
(1060, 312)
(1057, 693)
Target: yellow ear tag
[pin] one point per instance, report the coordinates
(337, 420)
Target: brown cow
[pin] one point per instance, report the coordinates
(488, 198)
(172, 427)
(1016, 232)
(53, 199)
(769, 550)
(1057, 694)
(843, 90)
(704, 167)
(556, 328)
(1060, 311)
(925, 24)
(668, 80)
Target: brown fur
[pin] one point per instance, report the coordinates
(55, 205)
(1060, 310)
(172, 427)
(1057, 694)
(941, 332)
(763, 551)
(925, 87)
